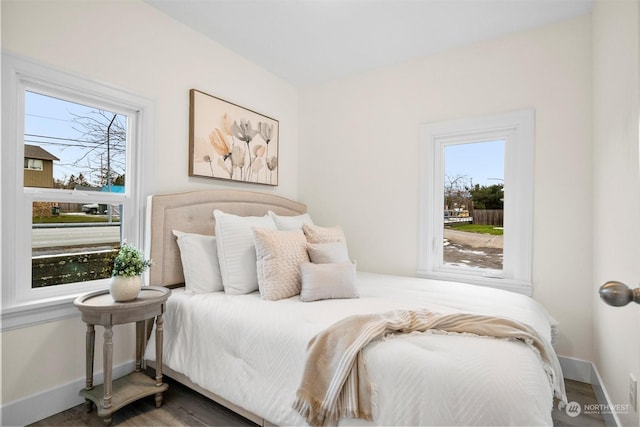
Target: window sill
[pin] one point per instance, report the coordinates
(517, 286)
(37, 312)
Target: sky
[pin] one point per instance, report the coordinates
(483, 162)
(49, 124)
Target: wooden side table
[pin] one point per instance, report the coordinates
(99, 308)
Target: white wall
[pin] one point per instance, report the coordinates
(616, 106)
(51, 355)
(133, 46)
(359, 155)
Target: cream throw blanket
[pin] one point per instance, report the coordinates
(335, 384)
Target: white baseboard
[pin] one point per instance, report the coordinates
(50, 402)
(586, 372)
(577, 369)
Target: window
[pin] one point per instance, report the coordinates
(33, 164)
(85, 145)
(81, 190)
(474, 207)
(476, 201)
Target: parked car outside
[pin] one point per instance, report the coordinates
(91, 208)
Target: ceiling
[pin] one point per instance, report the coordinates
(306, 42)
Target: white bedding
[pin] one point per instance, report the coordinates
(252, 353)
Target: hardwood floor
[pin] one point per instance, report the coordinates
(583, 394)
(184, 407)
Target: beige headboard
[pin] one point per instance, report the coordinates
(192, 212)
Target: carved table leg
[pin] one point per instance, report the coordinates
(139, 344)
(107, 360)
(159, 331)
(90, 346)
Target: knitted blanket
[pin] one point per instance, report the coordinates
(335, 384)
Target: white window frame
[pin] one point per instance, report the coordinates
(517, 130)
(23, 305)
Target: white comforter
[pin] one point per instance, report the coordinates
(252, 353)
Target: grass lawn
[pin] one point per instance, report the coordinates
(477, 228)
(72, 219)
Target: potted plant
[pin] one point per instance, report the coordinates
(125, 281)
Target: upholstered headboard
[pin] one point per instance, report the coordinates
(192, 212)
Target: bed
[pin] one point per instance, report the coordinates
(249, 353)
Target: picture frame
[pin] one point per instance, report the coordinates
(230, 142)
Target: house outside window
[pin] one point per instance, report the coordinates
(36, 160)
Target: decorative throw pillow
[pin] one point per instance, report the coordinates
(199, 257)
(237, 251)
(317, 234)
(328, 281)
(294, 222)
(326, 253)
(279, 254)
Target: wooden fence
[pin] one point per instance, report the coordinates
(46, 209)
(70, 207)
(488, 217)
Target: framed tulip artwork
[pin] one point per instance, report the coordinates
(230, 142)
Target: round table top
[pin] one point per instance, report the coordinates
(103, 301)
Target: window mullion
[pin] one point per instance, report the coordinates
(22, 263)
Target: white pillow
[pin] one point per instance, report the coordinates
(279, 255)
(326, 253)
(328, 281)
(237, 251)
(294, 222)
(199, 262)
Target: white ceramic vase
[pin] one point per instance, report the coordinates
(125, 288)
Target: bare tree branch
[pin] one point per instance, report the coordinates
(456, 191)
(101, 141)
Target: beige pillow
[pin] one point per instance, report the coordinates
(328, 281)
(326, 253)
(317, 234)
(279, 254)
